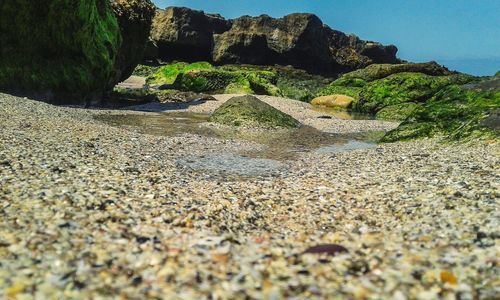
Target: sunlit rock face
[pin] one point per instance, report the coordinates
(300, 40)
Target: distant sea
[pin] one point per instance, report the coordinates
(477, 67)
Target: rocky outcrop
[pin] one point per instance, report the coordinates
(58, 61)
(134, 18)
(185, 34)
(300, 40)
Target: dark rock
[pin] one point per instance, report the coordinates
(299, 40)
(185, 34)
(250, 48)
(134, 18)
(329, 249)
(492, 120)
(151, 51)
(58, 51)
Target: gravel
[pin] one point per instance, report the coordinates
(90, 211)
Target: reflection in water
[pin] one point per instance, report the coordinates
(280, 144)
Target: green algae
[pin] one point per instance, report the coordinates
(454, 112)
(351, 87)
(61, 48)
(168, 74)
(402, 88)
(398, 112)
(241, 86)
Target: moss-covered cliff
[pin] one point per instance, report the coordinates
(61, 50)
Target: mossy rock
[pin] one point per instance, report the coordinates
(455, 112)
(248, 79)
(398, 112)
(249, 111)
(379, 71)
(403, 87)
(239, 87)
(146, 71)
(63, 49)
(207, 81)
(263, 83)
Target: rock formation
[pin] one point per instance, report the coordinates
(134, 18)
(59, 52)
(76, 61)
(185, 34)
(300, 40)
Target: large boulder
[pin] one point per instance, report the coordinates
(134, 18)
(300, 40)
(296, 39)
(249, 111)
(186, 34)
(61, 51)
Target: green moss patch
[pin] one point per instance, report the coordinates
(343, 86)
(398, 112)
(168, 74)
(402, 88)
(454, 112)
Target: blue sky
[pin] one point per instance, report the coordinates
(462, 34)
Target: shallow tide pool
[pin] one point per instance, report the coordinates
(278, 145)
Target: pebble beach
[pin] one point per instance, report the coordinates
(93, 211)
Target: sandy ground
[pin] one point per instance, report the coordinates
(90, 211)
